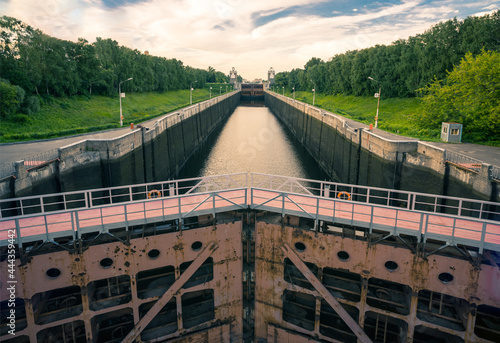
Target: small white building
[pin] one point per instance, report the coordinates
(451, 132)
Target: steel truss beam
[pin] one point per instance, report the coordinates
(169, 293)
(325, 294)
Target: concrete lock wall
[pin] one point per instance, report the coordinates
(142, 155)
(349, 152)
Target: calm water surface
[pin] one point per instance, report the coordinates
(253, 140)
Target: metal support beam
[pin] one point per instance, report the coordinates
(325, 294)
(169, 293)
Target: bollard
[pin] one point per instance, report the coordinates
(131, 126)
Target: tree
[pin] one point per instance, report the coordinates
(470, 95)
(9, 100)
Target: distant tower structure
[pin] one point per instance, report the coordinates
(233, 77)
(270, 76)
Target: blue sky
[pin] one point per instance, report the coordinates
(250, 35)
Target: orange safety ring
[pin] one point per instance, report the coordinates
(344, 193)
(155, 191)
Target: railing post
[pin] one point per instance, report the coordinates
(483, 237)
(325, 190)
(213, 206)
(371, 221)
(72, 214)
(317, 215)
(42, 207)
(180, 215)
(282, 205)
(46, 227)
(453, 231)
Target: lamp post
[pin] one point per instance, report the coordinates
(283, 90)
(377, 95)
(210, 92)
(226, 88)
(314, 91)
(220, 90)
(293, 89)
(121, 96)
(191, 92)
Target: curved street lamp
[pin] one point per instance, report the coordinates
(283, 89)
(377, 95)
(314, 91)
(191, 92)
(293, 89)
(210, 92)
(121, 96)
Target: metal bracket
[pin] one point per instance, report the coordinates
(169, 293)
(325, 294)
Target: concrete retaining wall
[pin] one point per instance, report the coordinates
(142, 155)
(349, 152)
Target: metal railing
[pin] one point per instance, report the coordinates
(362, 194)
(7, 170)
(380, 196)
(195, 201)
(450, 156)
(163, 123)
(116, 195)
(463, 161)
(482, 234)
(41, 158)
(75, 223)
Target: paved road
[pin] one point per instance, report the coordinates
(11, 152)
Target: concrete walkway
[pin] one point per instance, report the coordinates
(12, 152)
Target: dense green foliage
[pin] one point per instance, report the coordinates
(47, 66)
(402, 67)
(469, 95)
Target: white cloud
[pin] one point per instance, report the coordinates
(221, 33)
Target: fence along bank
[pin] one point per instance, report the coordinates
(143, 155)
(349, 152)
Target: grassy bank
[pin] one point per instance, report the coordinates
(68, 116)
(394, 113)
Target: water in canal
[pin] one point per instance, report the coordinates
(253, 140)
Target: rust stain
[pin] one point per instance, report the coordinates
(179, 246)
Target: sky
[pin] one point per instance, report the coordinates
(249, 35)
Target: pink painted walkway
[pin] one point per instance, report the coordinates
(454, 229)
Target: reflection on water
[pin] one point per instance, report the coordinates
(252, 103)
(253, 140)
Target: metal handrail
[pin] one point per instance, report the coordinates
(480, 233)
(462, 160)
(118, 194)
(48, 226)
(169, 120)
(363, 194)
